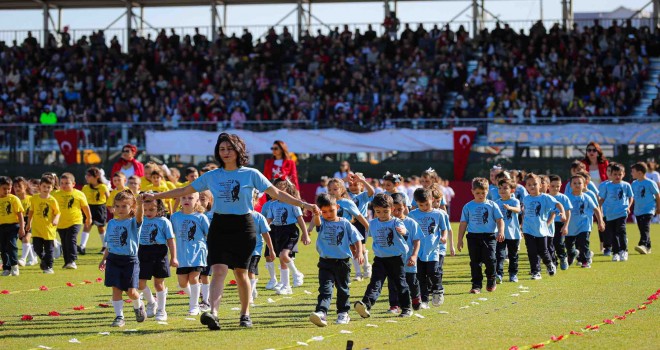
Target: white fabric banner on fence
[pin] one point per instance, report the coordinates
(575, 134)
(200, 143)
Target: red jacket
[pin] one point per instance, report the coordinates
(602, 168)
(139, 167)
(288, 170)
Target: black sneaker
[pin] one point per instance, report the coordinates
(246, 321)
(210, 321)
(491, 284)
(81, 250)
(140, 314)
(406, 313)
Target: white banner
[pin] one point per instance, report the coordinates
(575, 134)
(201, 143)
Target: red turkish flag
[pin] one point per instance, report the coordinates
(68, 141)
(463, 140)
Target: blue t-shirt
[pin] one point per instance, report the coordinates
(387, 241)
(408, 202)
(261, 225)
(645, 192)
(601, 187)
(335, 239)
(232, 190)
(590, 186)
(511, 224)
(432, 224)
(537, 210)
(361, 201)
(190, 231)
(560, 198)
(283, 213)
(156, 230)
(347, 209)
(520, 192)
(582, 211)
(209, 215)
(123, 236)
(481, 217)
(617, 199)
(413, 233)
(266, 206)
(493, 193)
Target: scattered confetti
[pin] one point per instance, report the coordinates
(54, 313)
(419, 316)
(270, 300)
(163, 323)
(181, 292)
(69, 284)
(104, 333)
(463, 307)
(371, 325)
(343, 331)
(74, 340)
(608, 321)
(4, 291)
(104, 305)
(27, 318)
(43, 288)
(87, 282)
(99, 279)
(538, 346)
(303, 343)
(190, 319)
(318, 338)
(232, 282)
(307, 292)
(130, 330)
(576, 333)
(443, 312)
(524, 291)
(235, 309)
(559, 338)
(483, 299)
(515, 295)
(474, 303)
(79, 308)
(391, 321)
(44, 347)
(513, 348)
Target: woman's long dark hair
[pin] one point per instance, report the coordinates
(239, 146)
(601, 157)
(285, 149)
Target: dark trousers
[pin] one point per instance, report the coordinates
(549, 242)
(510, 246)
(558, 244)
(9, 245)
(605, 236)
(481, 247)
(44, 250)
(392, 268)
(644, 225)
(429, 274)
(69, 238)
(617, 231)
(581, 243)
(537, 247)
(413, 285)
(333, 273)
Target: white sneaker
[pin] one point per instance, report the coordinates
(14, 270)
(271, 284)
(193, 311)
(438, 298)
(285, 290)
(298, 279)
(367, 270)
(537, 276)
(21, 262)
(32, 262)
(277, 287)
(6, 273)
(204, 306)
(71, 266)
(615, 257)
(319, 319)
(358, 277)
(161, 315)
(424, 306)
(49, 271)
(151, 310)
(342, 318)
(624, 256)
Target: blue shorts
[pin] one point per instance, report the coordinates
(153, 261)
(122, 271)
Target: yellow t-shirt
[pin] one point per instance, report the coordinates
(44, 210)
(144, 183)
(182, 184)
(96, 196)
(162, 188)
(10, 206)
(71, 204)
(170, 185)
(25, 202)
(113, 194)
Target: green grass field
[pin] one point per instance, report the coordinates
(522, 314)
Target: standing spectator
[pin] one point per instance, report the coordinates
(127, 164)
(344, 170)
(596, 163)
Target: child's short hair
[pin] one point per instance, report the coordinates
(479, 183)
(46, 180)
(161, 211)
(289, 188)
(94, 171)
(21, 180)
(53, 178)
(135, 177)
(532, 176)
(325, 200)
(127, 195)
(423, 195)
(579, 176)
(394, 178)
(502, 175)
(119, 174)
(506, 182)
(5, 180)
(554, 178)
(382, 200)
(641, 166)
(398, 198)
(70, 177)
(616, 167)
(544, 179)
(191, 170)
(156, 171)
(585, 175)
(578, 165)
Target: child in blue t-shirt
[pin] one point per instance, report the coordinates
(493, 193)
(191, 228)
(560, 224)
(336, 244)
(156, 236)
(206, 202)
(390, 185)
(120, 260)
(605, 236)
(616, 197)
(263, 236)
(390, 248)
(432, 247)
(413, 236)
(647, 204)
(361, 192)
(482, 219)
(584, 207)
(510, 208)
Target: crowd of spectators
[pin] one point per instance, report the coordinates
(343, 79)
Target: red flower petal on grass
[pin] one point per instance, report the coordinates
(43, 288)
(232, 282)
(608, 321)
(104, 305)
(594, 327)
(620, 317)
(54, 313)
(2, 322)
(653, 297)
(181, 292)
(631, 311)
(79, 308)
(27, 318)
(576, 333)
(648, 302)
(538, 346)
(128, 301)
(69, 284)
(4, 291)
(559, 338)
(99, 279)
(87, 282)
(513, 348)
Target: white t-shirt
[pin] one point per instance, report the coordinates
(595, 176)
(128, 172)
(654, 176)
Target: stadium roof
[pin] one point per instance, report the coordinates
(82, 4)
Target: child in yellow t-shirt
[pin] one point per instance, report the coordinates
(73, 204)
(20, 187)
(43, 219)
(97, 195)
(118, 181)
(158, 185)
(11, 227)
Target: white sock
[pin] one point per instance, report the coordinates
(284, 277)
(253, 282)
(356, 266)
(162, 297)
(146, 293)
(194, 296)
(27, 248)
(366, 257)
(102, 235)
(205, 293)
(137, 303)
(83, 239)
(32, 255)
(292, 266)
(270, 266)
(186, 289)
(119, 307)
